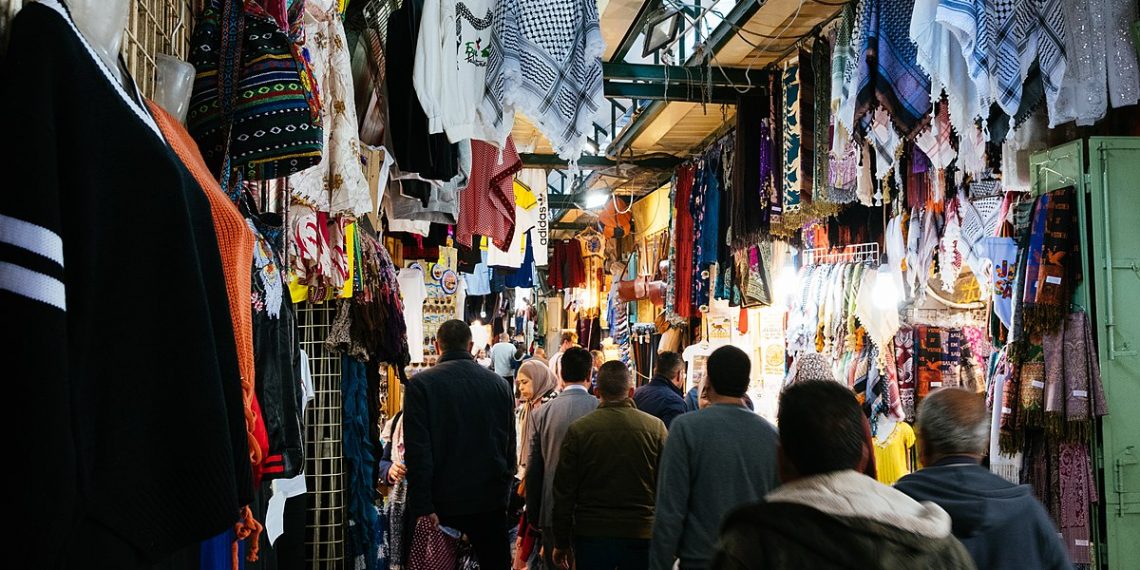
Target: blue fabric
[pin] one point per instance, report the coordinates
(524, 276)
(1002, 525)
(217, 553)
(623, 553)
(364, 524)
(888, 71)
(711, 222)
(661, 399)
(479, 280)
(692, 400)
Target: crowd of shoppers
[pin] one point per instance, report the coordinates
(625, 479)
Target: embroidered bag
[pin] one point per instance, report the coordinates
(255, 108)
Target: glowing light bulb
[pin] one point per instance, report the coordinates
(596, 200)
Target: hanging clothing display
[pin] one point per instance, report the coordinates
(80, 209)
(452, 53)
(487, 204)
(545, 60)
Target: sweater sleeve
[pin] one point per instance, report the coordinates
(427, 76)
(673, 486)
(33, 340)
(566, 480)
(418, 451)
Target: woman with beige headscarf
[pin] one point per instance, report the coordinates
(536, 385)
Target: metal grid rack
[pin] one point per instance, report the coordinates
(324, 461)
(154, 27)
(855, 253)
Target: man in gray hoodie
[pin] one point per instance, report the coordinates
(1001, 524)
(715, 460)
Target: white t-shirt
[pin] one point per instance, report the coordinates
(414, 292)
(535, 179)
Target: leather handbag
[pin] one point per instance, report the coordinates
(255, 110)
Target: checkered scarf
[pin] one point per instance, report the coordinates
(546, 62)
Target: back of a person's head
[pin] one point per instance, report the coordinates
(570, 337)
(576, 365)
(668, 364)
(728, 370)
(822, 428)
(453, 335)
(953, 421)
(614, 381)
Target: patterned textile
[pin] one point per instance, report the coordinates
(749, 214)
(336, 184)
(950, 259)
(935, 145)
(950, 361)
(917, 183)
(843, 175)
(545, 61)
(682, 235)
(1002, 253)
(250, 78)
(487, 205)
(1054, 261)
(1097, 44)
(927, 360)
(940, 55)
(888, 73)
(821, 129)
(842, 62)
(1073, 391)
(1005, 465)
(1077, 489)
(792, 136)
(431, 548)
(904, 359)
(1031, 403)
(358, 455)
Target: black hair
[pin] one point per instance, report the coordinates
(728, 371)
(453, 335)
(576, 365)
(668, 363)
(613, 380)
(822, 427)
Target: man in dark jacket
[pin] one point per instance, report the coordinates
(662, 396)
(459, 440)
(551, 422)
(606, 481)
(828, 515)
(1001, 524)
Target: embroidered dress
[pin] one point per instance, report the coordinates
(1102, 64)
(545, 61)
(337, 184)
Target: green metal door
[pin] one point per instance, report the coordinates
(1114, 220)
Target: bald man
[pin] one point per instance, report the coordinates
(1002, 525)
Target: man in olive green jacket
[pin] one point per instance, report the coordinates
(606, 482)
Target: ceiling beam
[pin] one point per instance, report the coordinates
(679, 74)
(737, 17)
(589, 162)
(670, 92)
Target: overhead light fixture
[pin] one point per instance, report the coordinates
(596, 199)
(661, 28)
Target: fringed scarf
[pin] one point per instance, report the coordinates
(888, 73)
(1005, 465)
(793, 181)
(1053, 264)
(904, 361)
(842, 65)
(1073, 391)
(1008, 399)
(750, 212)
(821, 95)
(1077, 489)
(1031, 401)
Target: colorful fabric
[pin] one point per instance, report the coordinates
(1002, 253)
(487, 205)
(792, 135)
(1073, 391)
(545, 61)
(842, 64)
(1077, 489)
(904, 360)
(1031, 403)
(888, 73)
(928, 360)
(1053, 263)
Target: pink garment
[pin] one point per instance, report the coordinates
(487, 205)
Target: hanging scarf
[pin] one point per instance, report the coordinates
(935, 143)
(821, 136)
(950, 259)
(1007, 466)
(904, 360)
(842, 62)
(1054, 260)
(1076, 490)
(1073, 391)
(928, 359)
(749, 214)
(918, 177)
(1031, 403)
(888, 73)
(1002, 253)
(792, 136)
(950, 361)
(1009, 399)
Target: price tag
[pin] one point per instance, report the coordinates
(1038, 384)
(935, 384)
(1080, 393)
(1053, 280)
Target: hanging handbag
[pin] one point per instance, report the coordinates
(255, 109)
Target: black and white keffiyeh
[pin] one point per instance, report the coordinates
(546, 62)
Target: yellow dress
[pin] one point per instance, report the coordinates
(892, 455)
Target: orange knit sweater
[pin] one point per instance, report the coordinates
(235, 242)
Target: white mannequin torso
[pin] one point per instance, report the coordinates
(103, 23)
(885, 426)
(174, 83)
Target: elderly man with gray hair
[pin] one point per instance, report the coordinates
(1001, 524)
